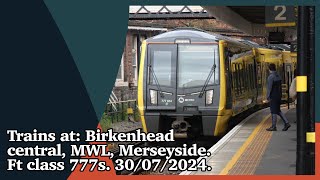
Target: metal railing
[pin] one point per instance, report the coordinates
(122, 110)
(112, 100)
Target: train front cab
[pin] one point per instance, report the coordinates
(175, 96)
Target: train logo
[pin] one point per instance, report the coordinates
(181, 99)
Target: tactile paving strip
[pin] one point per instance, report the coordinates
(251, 156)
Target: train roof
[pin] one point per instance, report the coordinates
(194, 35)
(251, 43)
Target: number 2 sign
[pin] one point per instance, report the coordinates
(279, 16)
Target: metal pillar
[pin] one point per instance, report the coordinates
(305, 163)
(310, 147)
(301, 96)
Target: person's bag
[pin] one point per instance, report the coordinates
(292, 90)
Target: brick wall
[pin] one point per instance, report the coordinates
(124, 92)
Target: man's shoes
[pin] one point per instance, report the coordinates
(286, 127)
(272, 129)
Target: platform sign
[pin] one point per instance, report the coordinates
(277, 16)
(293, 47)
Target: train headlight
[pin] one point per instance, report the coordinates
(154, 96)
(209, 96)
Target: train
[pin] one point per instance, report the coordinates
(195, 82)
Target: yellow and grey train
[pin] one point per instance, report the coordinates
(195, 82)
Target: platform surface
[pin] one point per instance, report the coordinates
(249, 149)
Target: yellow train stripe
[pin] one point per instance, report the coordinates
(140, 86)
(236, 157)
(311, 137)
(222, 101)
(301, 84)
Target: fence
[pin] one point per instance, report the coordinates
(122, 110)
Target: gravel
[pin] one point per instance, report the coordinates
(125, 126)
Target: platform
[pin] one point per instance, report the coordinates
(249, 149)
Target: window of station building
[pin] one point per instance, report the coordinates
(120, 75)
(136, 49)
(120, 70)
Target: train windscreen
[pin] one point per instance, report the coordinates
(162, 67)
(196, 63)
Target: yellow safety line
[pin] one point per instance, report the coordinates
(236, 157)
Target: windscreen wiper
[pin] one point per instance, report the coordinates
(156, 80)
(213, 70)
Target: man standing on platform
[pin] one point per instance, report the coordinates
(274, 94)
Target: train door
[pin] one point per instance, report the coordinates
(161, 88)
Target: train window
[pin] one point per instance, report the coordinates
(243, 71)
(162, 67)
(259, 74)
(245, 77)
(239, 79)
(195, 64)
(250, 76)
(266, 72)
(234, 78)
(253, 77)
